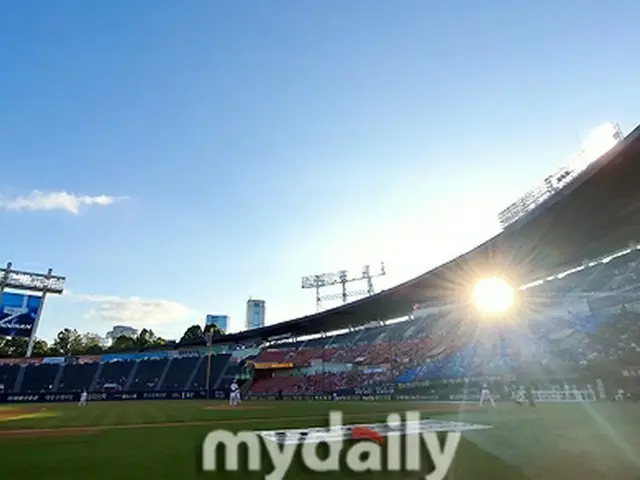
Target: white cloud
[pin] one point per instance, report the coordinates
(47, 201)
(134, 311)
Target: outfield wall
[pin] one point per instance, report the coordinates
(539, 396)
(217, 395)
(100, 396)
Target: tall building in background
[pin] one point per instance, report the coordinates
(220, 321)
(255, 313)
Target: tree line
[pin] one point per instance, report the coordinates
(71, 342)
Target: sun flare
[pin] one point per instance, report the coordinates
(493, 295)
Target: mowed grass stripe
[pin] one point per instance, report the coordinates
(284, 422)
(136, 413)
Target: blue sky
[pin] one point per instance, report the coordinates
(246, 144)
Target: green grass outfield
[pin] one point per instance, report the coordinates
(162, 439)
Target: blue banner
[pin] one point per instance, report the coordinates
(54, 360)
(18, 313)
(130, 357)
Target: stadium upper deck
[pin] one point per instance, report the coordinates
(594, 214)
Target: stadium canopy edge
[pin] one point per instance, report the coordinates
(593, 215)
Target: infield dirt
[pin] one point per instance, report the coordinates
(14, 413)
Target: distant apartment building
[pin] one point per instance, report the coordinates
(220, 321)
(255, 314)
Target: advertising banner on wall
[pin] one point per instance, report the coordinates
(18, 314)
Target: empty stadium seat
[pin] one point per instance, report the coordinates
(179, 373)
(148, 373)
(39, 377)
(77, 377)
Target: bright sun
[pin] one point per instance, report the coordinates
(493, 295)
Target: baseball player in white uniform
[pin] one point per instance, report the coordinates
(234, 396)
(486, 395)
(83, 399)
(520, 397)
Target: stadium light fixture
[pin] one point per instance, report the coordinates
(341, 278)
(493, 295)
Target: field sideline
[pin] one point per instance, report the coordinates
(162, 439)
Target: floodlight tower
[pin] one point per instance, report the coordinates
(29, 307)
(341, 278)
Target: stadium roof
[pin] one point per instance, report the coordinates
(593, 215)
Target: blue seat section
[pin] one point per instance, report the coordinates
(77, 376)
(39, 378)
(218, 362)
(114, 375)
(8, 377)
(148, 374)
(179, 373)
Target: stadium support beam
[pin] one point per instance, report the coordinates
(29, 282)
(5, 279)
(342, 278)
(209, 337)
(36, 322)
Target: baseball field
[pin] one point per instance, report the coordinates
(163, 439)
